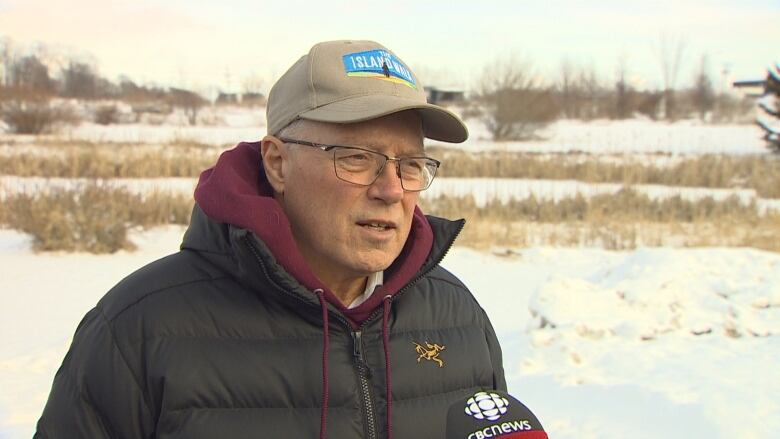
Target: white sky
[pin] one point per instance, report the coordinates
(209, 43)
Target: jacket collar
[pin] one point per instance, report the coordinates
(239, 225)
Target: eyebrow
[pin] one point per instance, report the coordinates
(403, 153)
(417, 152)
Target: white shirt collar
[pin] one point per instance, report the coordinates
(374, 280)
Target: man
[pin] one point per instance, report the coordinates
(307, 299)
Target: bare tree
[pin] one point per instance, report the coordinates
(623, 92)
(252, 83)
(6, 59)
(516, 104)
(80, 81)
(28, 111)
(703, 93)
(592, 93)
(187, 100)
(251, 90)
(30, 74)
(569, 91)
(26, 93)
(670, 55)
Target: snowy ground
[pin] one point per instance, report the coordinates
(672, 343)
(627, 137)
(482, 190)
(227, 126)
(619, 355)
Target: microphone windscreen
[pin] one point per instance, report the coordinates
(492, 414)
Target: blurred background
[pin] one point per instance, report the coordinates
(621, 182)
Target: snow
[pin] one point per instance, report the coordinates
(505, 189)
(226, 126)
(653, 342)
(45, 296)
(626, 137)
(217, 126)
(483, 190)
(135, 133)
(623, 358)
(673, 343)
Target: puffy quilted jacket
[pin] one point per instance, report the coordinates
(219, 341)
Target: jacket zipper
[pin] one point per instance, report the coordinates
(357, 338)
(364, 373)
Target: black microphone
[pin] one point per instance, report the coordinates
(492, 414)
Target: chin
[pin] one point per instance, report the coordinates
(372, 262)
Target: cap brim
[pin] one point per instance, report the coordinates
(438, 123)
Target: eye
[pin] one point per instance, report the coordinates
(354, 159)
(414, 169)
(415, 165)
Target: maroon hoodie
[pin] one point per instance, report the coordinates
(236, 191)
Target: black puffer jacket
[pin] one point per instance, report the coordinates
(218, 341)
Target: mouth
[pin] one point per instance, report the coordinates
(378, 225)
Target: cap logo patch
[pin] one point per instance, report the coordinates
(379, 64)
(430, 352)
(484, 405)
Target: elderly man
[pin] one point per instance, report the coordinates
(307, 299)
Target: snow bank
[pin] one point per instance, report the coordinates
(619, 355)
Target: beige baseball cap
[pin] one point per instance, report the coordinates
(352, 81)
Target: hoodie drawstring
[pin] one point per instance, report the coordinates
(325, 349)
(386, 342)
(386, 302)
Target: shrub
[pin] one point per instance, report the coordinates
(34, 116)
(95, 218)
(106, 115)
(515, 104)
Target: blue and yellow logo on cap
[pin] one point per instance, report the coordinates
(379, 64)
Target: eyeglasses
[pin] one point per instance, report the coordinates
(362, 166)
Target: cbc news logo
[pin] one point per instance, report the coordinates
(484, 405)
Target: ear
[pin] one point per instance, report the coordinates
(274, 156)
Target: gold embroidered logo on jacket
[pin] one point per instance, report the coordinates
(430, 352)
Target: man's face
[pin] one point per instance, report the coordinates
(330, 217)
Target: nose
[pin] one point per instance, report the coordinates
(387, 186)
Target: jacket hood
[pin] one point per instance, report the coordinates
(234, 197)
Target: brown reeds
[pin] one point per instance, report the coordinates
(94, 219)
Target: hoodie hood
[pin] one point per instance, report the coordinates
(236, 191)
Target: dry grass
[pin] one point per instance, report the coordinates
(187, 159)
(621, 221)
(95, 219)
(616, 235)
(101, 162)
(759, 172)
(625, 205)
(58, 142)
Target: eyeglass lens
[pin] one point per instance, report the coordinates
(363, 167)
